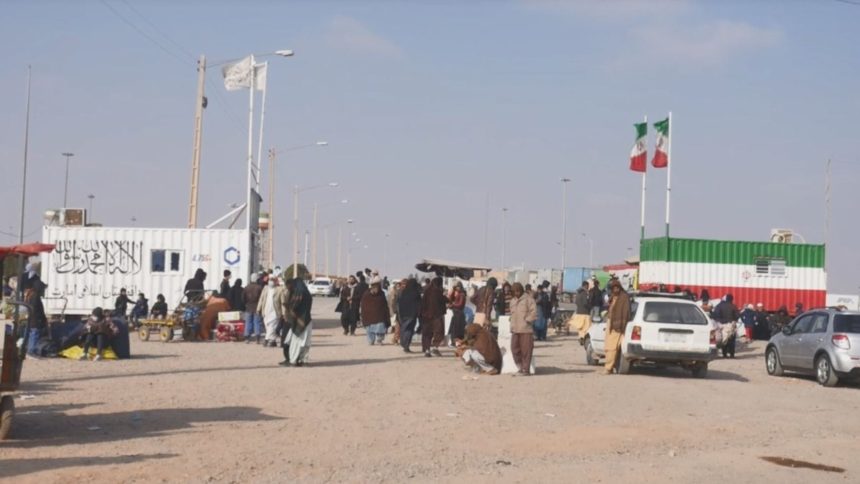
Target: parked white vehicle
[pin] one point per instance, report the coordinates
(321, 286)
(664, 330)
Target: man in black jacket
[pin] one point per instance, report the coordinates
(224, 292)
(408, 307)
(726, 313)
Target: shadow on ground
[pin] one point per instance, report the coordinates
(56, 428)
(19, 467)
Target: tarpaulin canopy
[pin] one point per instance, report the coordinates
(449, 268)
(34, 248)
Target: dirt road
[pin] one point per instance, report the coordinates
(226, 412)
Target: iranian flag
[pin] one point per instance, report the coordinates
(639, 153)
(661, 155)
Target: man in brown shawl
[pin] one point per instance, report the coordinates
(619, 315)
(483, 301)
(482, 351)
(433, 308)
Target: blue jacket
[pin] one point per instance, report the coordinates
(748, 317)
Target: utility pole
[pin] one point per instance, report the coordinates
(271, 241)
(66, 189)
(564, 182)
(295, 230)
(24, 183)
(198, 138)
(339, 248)
(314, 244)
(305, 262)
(325, 242)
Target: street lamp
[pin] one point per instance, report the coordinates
(564, 182)
(504, 234)
(272, 153)
(590, 250)
(200, 105)
(314, 241)
(296, 191)
(66, 190)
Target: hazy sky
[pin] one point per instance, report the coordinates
(431, 106)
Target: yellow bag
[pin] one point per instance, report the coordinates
(75, 352)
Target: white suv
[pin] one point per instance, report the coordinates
(664, 330)
(321, 286)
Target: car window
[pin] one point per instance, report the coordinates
(819, 323)
(672, 312)
(802, 325)
(634, 306)
(846, 323)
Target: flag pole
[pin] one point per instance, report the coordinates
(642, 219)
(262, 118)
(669, 175)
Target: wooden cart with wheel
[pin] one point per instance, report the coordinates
(185, 319)
(15, 341)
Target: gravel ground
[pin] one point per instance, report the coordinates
(226, 412)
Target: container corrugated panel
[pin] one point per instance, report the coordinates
(90, 265)
(730, 252)
(573, 277)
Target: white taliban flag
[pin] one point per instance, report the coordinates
(260, 70)
(239, 75)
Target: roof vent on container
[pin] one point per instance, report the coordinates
(781, 236)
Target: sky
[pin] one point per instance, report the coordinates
(433, 108)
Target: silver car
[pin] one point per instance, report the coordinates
(822, 342)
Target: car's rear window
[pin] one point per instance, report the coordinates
(672, 312)
(321, 283)
(846, 323)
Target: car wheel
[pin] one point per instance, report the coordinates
(589, 353)
(623, 365)
(824, 372)
(700, 370)
(772, 363)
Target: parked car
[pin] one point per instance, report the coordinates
(822, 342)
(663, 330)
(321, 286)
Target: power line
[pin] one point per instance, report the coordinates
(143, 33)
(161, 32)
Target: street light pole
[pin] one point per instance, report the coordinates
(24, 182)
(295, 230)
(564, 182)
(504, 234)
(272, 153)
(66, 190)
(590, 250)
(314, 243)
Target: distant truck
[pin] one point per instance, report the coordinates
(774, 274)
(90, 265)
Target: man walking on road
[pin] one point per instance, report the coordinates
(726, 313)
(582, 316)
(432, 314)
(253, 320)
(408, 308)
(523, 316)
(483, 301)
(619, 315)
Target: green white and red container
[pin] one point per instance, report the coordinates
(774, 274)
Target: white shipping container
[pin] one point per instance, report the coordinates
(90, 265)
(850, 301)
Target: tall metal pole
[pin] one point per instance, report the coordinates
(642, 209)
(250, 201)
(504, 235)
(669, 175)
(325, 242)
(564, 182)
(264, 65)
(198, 138)
(24, 182)
(314, 243)
(271, 241)
(66, 189)
(295, 230)
(339, 248)
(385, 256)
(305, 257)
